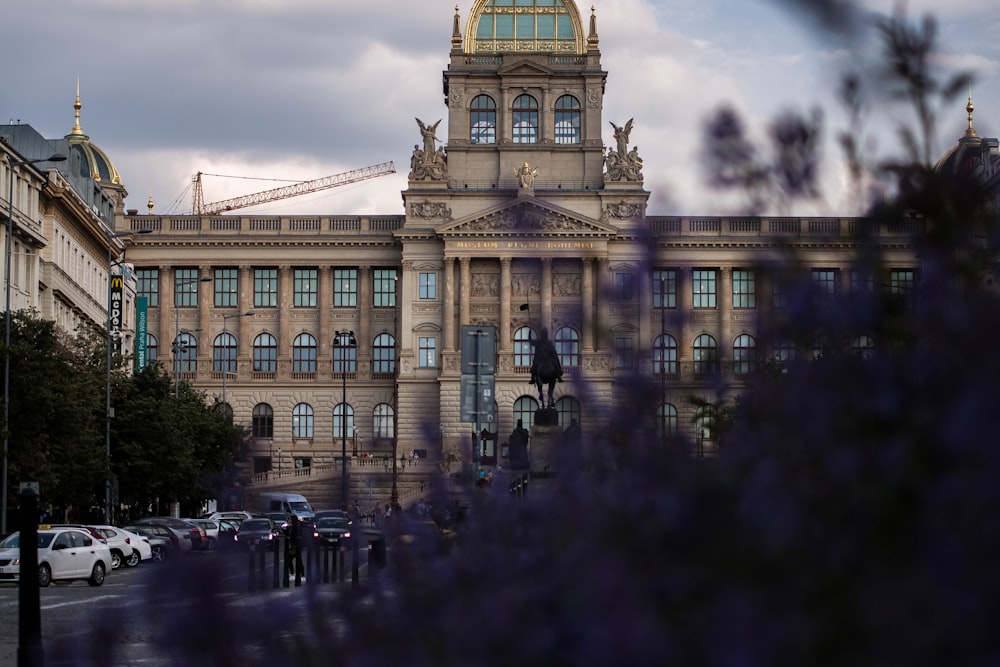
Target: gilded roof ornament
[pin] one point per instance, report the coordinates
(969, 108)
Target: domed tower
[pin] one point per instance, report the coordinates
(87, 161)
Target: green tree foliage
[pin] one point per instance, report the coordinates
(54, 437)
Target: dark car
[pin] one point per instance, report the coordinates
(322, 514)
(163, 543)
(280, 519)
(331, 530)
(191, 536)
(256, 532)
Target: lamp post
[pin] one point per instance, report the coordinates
(225, 362)
(8, 255)
(176, 347)
(342, 340)
(107, 397)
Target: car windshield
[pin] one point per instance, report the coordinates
(331, 522)
(300, 506)
(254, 524)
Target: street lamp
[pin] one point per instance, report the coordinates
(225, 363)
(176, 348)
(342, 341)
(107, 397)
(11, 165)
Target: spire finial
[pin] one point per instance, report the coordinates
(76, 109)
(592, 40)
(969, 108)
(456, 33)
(149, 204)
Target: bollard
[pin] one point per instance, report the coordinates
(277, 565)
(262, 563)
(29, 636)
(251, 575)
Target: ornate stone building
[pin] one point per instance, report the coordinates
(523, 219)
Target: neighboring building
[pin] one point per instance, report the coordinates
(65, 216)
(524, 219)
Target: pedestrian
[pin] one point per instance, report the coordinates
(293, 548)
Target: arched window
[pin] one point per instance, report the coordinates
(343, 412)
(302, 421)
(525, 120)
(706, 356)
(483, 120)
(345, 358)
(568, 409)
(224, 353)
(705, 424)
(524, 409)
(665, 355)
(863, 347)
(186, 353)
(567, 120)
(152, 349)
(227, 413)
(382, 421)
(304, 354)
(666, 421)
(567, 343)
(262, 421)
(265, 353)
(524, 346)
(384, 354)
(744, 355)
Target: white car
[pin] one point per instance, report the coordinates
(141, 548)
(122, 551)
(64, 554)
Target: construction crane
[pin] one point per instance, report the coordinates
(199, 207)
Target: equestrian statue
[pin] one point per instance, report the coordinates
(546, 369)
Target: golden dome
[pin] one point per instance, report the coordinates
(525, 26)
(98, 164)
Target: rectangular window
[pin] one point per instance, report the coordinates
(744, 289)
(306, 283)
(384, 292)
(428, 286)
(226, 286)
(862, 282)
(703, 291)
(824, 283)
(148, 285)
(665, 288)
(902, 283)
(623, 286)
(428, 351)
(265, 288)
(624, 358)
(186, 288)
(345, 288)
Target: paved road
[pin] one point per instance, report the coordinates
(180, 605)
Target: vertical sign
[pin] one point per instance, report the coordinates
(141, 305)
(115, 308)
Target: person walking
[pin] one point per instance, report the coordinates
(293, 549)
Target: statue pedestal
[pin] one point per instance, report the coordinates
(545, 437)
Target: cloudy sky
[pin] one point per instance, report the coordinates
(281, 90)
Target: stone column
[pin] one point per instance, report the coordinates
(685, 299)
(206, 338)
(603, 280)
(448, 326)
(244, 296)
(505, 342)
(365, 301)
(284, 314)
(167, 314)
(545, 293)
(587, 306)
(325, 298)
(644, 278)
(725, 296)
(404, 316)
(465, 265)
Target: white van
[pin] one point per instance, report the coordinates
(289, 503)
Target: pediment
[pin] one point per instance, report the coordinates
(522, 67)
(527, 218)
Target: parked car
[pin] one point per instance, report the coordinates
(96, 534)
(141, 548)
(211, 528)
(163, 543)
(64, 554)
(238, 515)
(331, 531)
(254, 532)
(120, 545)
(190, 535)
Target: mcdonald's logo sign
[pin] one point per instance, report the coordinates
(117, 282)
(115, 289)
